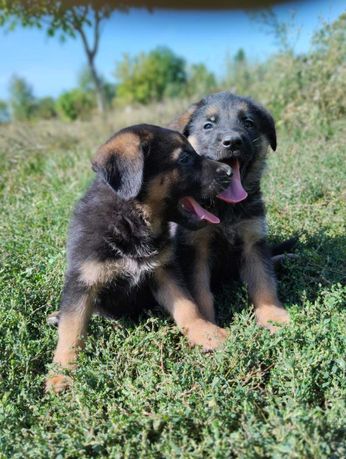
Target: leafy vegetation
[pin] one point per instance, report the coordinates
(150, 76)
(75, 104)
(300, 89)
(158, 75)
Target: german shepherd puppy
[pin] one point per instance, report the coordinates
(119, 236)
(235, 131)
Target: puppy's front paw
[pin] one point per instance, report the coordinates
(58, 383)
(205, 334)
(267, 316)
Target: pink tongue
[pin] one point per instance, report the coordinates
(192, 206)
(235, 192)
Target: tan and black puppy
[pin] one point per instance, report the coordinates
(119, 235)
(235, 131)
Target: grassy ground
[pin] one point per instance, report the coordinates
(140, 391)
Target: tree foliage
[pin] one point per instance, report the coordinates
(75, 104)
(150, 76)
(238, 72)
(285, 33)
(200, 81)
(22, 99)
(303, 90)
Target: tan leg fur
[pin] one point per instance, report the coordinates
(186, 314)
(71, 333)
(261, 283)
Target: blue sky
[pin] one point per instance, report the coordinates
(51, 66)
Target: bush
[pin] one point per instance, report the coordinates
(75, 104)
(45, 108)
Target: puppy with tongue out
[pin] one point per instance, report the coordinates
(235, 131)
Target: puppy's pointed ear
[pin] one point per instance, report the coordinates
(120, 162)
(182, 123)
(267, 125)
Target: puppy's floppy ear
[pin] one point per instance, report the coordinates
(181, 124)
(120, 162)
(267, 125)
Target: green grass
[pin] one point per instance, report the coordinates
(140, 391)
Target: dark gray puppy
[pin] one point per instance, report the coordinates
(236, 131)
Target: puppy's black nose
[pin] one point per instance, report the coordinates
(224, 169)
(232, 141)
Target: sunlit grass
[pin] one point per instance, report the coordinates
(140, 391)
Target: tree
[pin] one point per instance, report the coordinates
(200, 80)
(70, 20)
(285, 33)
(86, 84)
(150, 76)
(238, 72)
(22, 100)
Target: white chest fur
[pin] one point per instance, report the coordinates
(93, 273)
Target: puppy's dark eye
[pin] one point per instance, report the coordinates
(208, 126)
(248, 123)
(186, 159)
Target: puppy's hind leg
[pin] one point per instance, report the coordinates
(257, 272)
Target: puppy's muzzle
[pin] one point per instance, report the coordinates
(224, 171)
(231, 145)
(216, 176)
(232, 141)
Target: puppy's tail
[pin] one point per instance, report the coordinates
(283, 251)
(284, 247)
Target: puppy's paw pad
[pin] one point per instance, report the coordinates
(268, 316)
(58, 383)
(206, 334)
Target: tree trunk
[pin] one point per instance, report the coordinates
(91, 52)
(100, 96)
